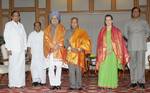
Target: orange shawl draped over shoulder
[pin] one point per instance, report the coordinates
(118, 45)
(51, 41)
(79, 39)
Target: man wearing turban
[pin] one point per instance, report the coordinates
(54, 49)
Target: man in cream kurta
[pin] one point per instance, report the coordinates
(54, 49)
(35, 49)
(15, 38)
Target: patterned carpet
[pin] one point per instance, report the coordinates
(89, 86)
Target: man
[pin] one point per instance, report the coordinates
(35, 50)
(136, 31)
(78, 45)
(15, 38)
(54, 49)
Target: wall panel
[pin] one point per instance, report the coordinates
(59, 5)
(102, 4)
(5, 4)
(80, 5)
(124, 4)
(24, 3)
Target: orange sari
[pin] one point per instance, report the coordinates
(51, 41)
(79, 40)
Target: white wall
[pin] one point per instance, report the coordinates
(102, 4)
(92, 22)
(59, 5)
(27, 19)
(124, 4)
(24, 3)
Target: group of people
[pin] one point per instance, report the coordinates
(56, 46)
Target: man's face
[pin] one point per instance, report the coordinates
(54, 20)
(15, 17)
(37, 27)
(108, 21)
(136, 13)
(74, 23)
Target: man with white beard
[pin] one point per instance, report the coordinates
(15, 39)
(54, 51)
(35, 50)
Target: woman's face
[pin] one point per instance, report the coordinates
(54, 20)
(74, 23)
(108, 21)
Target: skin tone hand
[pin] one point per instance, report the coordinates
(29, 53)
(9, 53)
(96, 68)
(74, 49)
(55, 47)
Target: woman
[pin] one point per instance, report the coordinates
(111, 54)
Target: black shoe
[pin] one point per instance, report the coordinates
(42, 84)
(71, 88)
(58, 87)
(133, 85)
(35, 84)
(80, 88)
(141, 85)
(54, 87)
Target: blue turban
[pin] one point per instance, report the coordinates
(55, 13)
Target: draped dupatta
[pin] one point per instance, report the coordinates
(118, 46)
(79, 39)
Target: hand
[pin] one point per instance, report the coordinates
(29, 55)
(97, 66)
(9, 53)
(56, 47)
(69, 48)
(74, 49)
(80, 49)
(96, 71)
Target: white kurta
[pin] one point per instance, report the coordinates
(15, 39)
(38, 64)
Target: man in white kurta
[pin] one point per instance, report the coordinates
(15, 39)
(35, 46)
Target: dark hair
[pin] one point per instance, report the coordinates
(108, 15)
(37, 22)
(15, 11)
(74, 18)
(134, 9)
